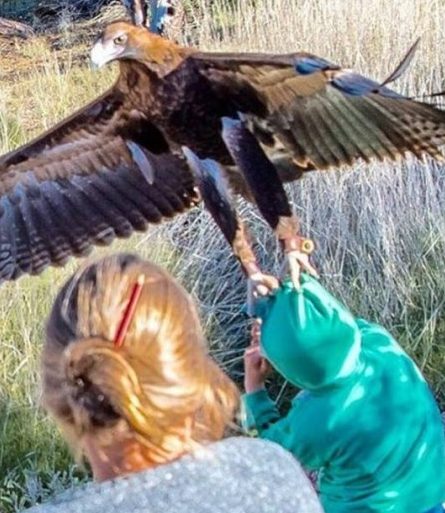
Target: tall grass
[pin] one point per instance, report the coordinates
(380, 229)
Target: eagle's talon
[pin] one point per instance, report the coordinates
(263, 284)
(259, 285)
(298, 261)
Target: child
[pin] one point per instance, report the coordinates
(365, 419)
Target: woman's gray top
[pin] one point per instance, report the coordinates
(236, 475)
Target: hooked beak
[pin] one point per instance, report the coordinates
(101, 54)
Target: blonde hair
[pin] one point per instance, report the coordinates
(162, 376)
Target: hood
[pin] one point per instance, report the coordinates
(308, 336)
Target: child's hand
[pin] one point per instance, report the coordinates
(256, 368)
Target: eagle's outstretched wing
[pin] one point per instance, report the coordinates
(103, 173)
(321, 115)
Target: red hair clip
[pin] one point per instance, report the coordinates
(127, 316)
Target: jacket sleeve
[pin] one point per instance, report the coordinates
(293, 431)
(259, 411)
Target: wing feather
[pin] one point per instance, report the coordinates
(117, 198)
(349, 130)
(52, 243)
(323, 115)
(345, 145)
(84, 183)
(54, 221)
(372, 140)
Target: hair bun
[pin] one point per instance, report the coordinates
(89, 402)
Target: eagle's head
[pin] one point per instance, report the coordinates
(124, 41)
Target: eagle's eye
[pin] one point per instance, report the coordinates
(120, 40)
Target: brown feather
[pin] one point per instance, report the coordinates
(325, 116)
(79, 184)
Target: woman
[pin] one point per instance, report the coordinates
(128, 379)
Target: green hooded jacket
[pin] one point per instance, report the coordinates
(366, 417)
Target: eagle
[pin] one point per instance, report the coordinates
(118, 164)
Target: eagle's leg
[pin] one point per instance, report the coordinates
(217, 197)
(258, 282)
(269, 194)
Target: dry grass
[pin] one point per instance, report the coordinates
(380, 229)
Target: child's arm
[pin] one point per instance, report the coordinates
(260, 414)
(256, 369)
(256, 399)
(294, 432)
